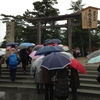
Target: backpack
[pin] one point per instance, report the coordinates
(13, 59)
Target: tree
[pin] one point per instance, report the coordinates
(45, 9)
(23, 32)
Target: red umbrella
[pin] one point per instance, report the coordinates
(78, 66)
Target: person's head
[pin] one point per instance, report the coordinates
(13, 50)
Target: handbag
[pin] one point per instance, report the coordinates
(54, 78)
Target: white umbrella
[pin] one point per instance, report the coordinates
(36, 64)
(93, 54)
(2, 53)
(67, 53)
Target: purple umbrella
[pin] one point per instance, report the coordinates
(55, 60)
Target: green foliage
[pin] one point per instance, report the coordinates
(24, 31)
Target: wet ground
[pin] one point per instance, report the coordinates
(32, 95)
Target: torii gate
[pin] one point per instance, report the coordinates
(55, 18)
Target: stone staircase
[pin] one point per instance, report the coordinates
(89, 85)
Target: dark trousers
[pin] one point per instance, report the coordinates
(61, 98)
(24, 64)
(49, 91)
(74, 93)
(39, 87)
(12, 74)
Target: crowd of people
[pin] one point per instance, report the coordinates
(54, 83)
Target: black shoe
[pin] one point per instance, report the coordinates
(0, 74)
(12, 80)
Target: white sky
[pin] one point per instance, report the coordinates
(18, 7)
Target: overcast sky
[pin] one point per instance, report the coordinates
(18, 7)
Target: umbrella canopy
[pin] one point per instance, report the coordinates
(12, 43)
(94, 60)
(48, 49)
(69, 54)
(24, 46)
(32, 55)
(93, 54)
(37, 64)
(78, 66)
(2, 53)
(55, 60)
(46, 40)
(37, 47)
(65, 48)
(51, 41)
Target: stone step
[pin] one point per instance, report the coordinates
(33, 87)
(88, 76)
(86, 80)
(90, 86)
(89, 92)
(17, 77)
(17, 73)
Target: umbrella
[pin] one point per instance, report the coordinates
(55, 60)
(48, 49)
(2, 53)
(78, 66)
(46, 40)
(12, 43)
(32, 55)
(65, 48)
(61, 45)
(57, 41)
(93, 54)
(94, 60)
(22, 47)
(26, 44)
(37, 47)
(69, 54)
(37, 64)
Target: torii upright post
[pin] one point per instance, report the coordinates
(39, 33)
(69, 33)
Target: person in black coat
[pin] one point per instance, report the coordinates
(61, 91)
(74, 83)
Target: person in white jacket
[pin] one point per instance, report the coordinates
(36, 66)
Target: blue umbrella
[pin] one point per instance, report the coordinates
(12, 43)
(48, 49)
(55, 60)
(26, 44)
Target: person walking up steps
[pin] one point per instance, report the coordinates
(13, 61)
